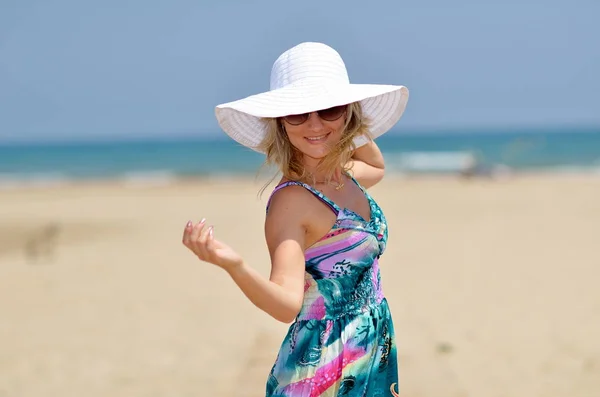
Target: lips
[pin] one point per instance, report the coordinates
(317, 139)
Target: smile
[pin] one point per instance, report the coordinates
(316, 139)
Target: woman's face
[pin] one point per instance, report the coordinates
(316, 133)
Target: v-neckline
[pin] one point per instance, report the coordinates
(346, 209)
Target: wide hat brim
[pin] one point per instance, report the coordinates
(242, 120)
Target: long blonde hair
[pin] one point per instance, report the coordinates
(283, 155)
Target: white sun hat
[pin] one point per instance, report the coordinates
(307, 78)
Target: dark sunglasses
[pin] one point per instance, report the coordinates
(330, 114)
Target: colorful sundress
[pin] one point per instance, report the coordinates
(342, 341)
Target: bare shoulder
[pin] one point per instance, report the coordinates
(289, 204)
(295, 210)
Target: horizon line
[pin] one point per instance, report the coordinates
(216, 135)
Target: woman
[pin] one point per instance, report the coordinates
(324, 232)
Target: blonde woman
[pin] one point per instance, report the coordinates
(324, 232)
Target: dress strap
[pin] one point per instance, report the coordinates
(333, 206)
(355, 181)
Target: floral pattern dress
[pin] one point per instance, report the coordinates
(342, 341)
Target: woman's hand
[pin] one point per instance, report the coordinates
(201, 242)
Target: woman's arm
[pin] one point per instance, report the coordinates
(367, 164)
(281, 295)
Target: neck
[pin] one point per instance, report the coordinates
(318, 176)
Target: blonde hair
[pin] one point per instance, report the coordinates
(282, 154)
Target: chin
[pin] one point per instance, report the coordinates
(316, 153)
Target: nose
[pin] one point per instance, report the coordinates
(314, 122)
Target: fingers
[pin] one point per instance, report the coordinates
(191, 233)
(197, 230)
(186, 233)
(199, 239)
(210, 241)
(200, 244)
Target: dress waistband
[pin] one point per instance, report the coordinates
(315, 307)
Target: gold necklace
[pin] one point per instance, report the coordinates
(336, 186)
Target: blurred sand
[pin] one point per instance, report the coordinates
(493, 286)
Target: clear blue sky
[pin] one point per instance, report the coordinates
(131, 67)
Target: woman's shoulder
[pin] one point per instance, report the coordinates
(288, 208)
(288, 194)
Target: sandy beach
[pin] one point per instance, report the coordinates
(493, 285)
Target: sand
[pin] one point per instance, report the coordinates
(493, 286)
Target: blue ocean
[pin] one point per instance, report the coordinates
(161, 159)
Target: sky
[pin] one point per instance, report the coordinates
(72, 69)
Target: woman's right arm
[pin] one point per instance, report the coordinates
(282, 294)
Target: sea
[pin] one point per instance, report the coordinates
(161, 160)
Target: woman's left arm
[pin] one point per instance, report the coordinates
(367, 165)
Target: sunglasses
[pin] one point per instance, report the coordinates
(330, 114)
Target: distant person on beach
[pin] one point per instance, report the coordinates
(324, 232)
